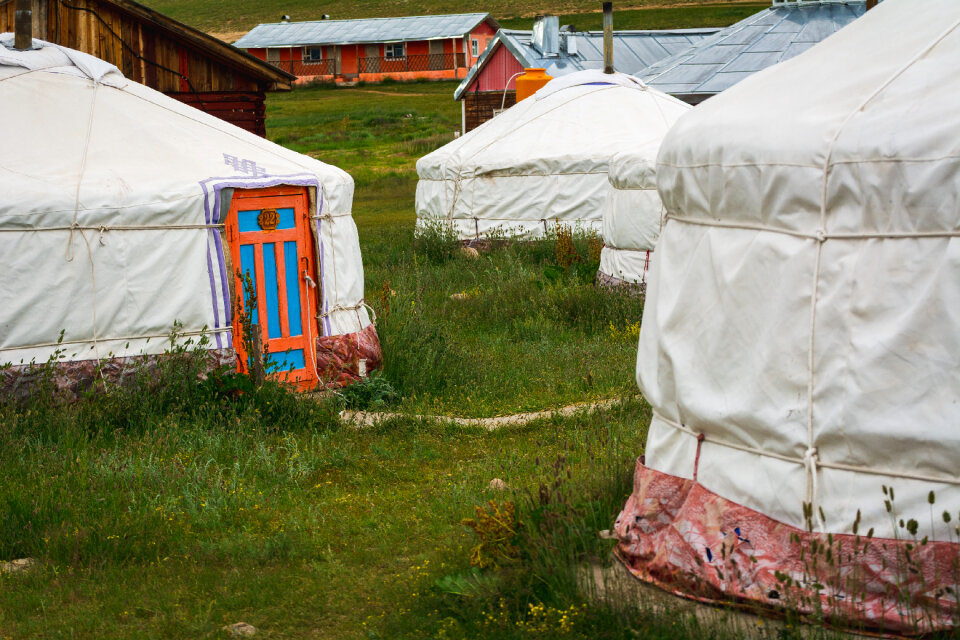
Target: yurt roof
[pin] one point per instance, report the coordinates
(89, 139)
(856, 115)
(635, 168)
(94, 169)
(773, 35)
(573, 123)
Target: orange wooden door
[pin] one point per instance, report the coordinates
(269, 235)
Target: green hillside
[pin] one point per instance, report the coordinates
(230, 18)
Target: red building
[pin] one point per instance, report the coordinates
(490, 85)
(406, 48)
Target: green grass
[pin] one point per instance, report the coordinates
(707, 15)
(236, 16)
(520, 341)
(169, 510)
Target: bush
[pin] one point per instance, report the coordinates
(436, 240)
(375, 392)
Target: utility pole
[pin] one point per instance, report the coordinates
(608, 37)
(23, 25)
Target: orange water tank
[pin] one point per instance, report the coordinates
(530, 81)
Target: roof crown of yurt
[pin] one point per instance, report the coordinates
(799, 344)
(543, 161)
(133, 215)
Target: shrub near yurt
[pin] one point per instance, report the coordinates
(631, 218)
(800, 344)
(126, 215)
(543, 161)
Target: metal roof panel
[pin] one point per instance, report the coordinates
(632, 50)
(318, 32)
(753, 62)
(755, 43)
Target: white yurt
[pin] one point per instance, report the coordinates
(545, 159)
(632, 216)
(124, 213)
(800, 344)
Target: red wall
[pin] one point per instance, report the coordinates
(483, 33)
(497, 72)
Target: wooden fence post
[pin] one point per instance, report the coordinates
(256, 345)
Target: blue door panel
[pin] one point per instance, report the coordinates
(248, 267)
(247, 220)
(286, 360)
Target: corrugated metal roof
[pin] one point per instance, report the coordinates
(633, 51)
(760, 41)
(287, 34)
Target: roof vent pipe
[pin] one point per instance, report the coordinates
(546, 35)
(608, 37)
(23, 25)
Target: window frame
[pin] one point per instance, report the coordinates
(307, 58)
(389, 51)
(475, 47)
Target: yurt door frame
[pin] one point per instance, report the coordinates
(269, 235)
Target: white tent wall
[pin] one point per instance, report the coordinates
(631, 216)
(801, 333)
(111, 216)
(878, 284)
(544, 160)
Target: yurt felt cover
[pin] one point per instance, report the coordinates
(545, 159)
(632, 216)
(114, 196)
(801, 336)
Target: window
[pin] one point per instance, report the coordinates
(273, 55)
(312, 54)
(474, 47)
(393, 51)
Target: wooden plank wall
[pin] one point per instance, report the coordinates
(247, 110)
(102, 29)
(479, 106)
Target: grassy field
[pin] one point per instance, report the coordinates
(167, 512)
(170, 509)
(519, 341)
(231, 18)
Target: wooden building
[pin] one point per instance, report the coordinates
(372, 49)
(163, 54)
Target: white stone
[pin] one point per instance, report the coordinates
(240, 630)
(498, 485)
(18, 565)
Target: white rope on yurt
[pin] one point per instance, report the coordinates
(885, 235)
(42, 345)
(74, 226)
(105, 228)
(803, 461)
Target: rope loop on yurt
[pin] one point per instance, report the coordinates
(810, 459)
(354, 307)
(75, 226)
